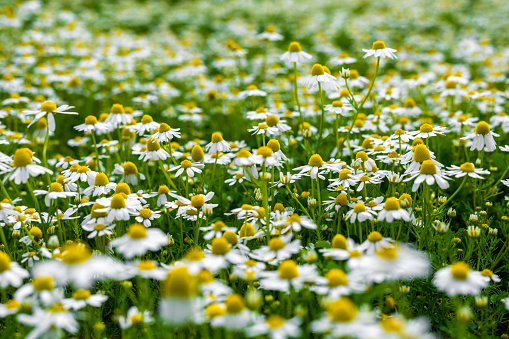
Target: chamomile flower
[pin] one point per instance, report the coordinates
(216, 230)
(320, 78)
(379, 50)
(48, 109)
(99, 185)
(165, 133)
(188, 167)
(217, 144)
(55, 191)
(81, 298)
(11, 273)
(152, 151)
(23, 167)
(428, 173)
(134, 317)
(139, 240)
(288, 273)
(482, 138)
(393, 211)
(427, 130)
(97, 230)
(278, 249)
(466, 169)
(295, 54)
(360, 213)
(459, 279)
(49, 322)
(276, 327)
(146, 216)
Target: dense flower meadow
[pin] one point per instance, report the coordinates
(270, 169)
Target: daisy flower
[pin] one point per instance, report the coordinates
(375, 242)
(482, 138)
(399, 262)
(338, 107)
(92, 125)
(165, 133)
(23, 167)
(129, 172)
(252, 91)
(314, 165)
(277, 250)
(270, 34)
(295, 54)
(162, 195)
(236, 316)
(152, 151)
(343, 319)
(118, 115)
(146, 216)
(216, 230)
(291, 220)
(118, 208)
(188, 167)
(320, 78)
(55, 191)
(47, 109)
(99, 185)
(217, 144)
(11, 273)
(379, 50)
(467, 169)
(97, 230)
(49, 322)
(82, 298)
(288, 273)
(459, 279)
(139, 240)
(336, 284)
(276, 327)
(428, 173)
(393, 211)
(134, 317)
(427, 130)
(360, 212)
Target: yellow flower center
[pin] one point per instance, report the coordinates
(272, 120)
(275, 321)
(81, 294)
(231, 238)
(394, 325)
(179, 283)
(152, 145)
(375, 237)
(316, 161)
(317, 70)
(459, 270)
(387, 253)
(428, 167)
(146, 119)
(101, 180)
(145, 213)
(163, 189)
(337, 103)
(264, 151)
(163, 127)
(467, 167)
(220, 246)
(410, 103)
(342, 310)
(95, 214)
(487, 273)
(234, 304)
(197, 201)
(247, 230)
(22, 158)
(339, 242)
(217, 137)
(276, 244)
(344, 174)
(421, 153)
(186, 164)
(359, 208)
(288, 270)
(43, 282)
(90, 120)
(293, 218)
(117, 109)
(118, 201)
(146, 265)
(130, 168)
(123, 188)
(137, 231)
(450, 84)
(12, 304)
(194, 254)
(5, 262)
(76, 253)
(336, 277)
(48, 107)
(482, 128)
(426, 128)
(341, 200)
(99, 227)
(379, 44)
(294, 47)
(392, 204)
(214, 310)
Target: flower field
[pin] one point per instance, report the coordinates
(254, 169)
